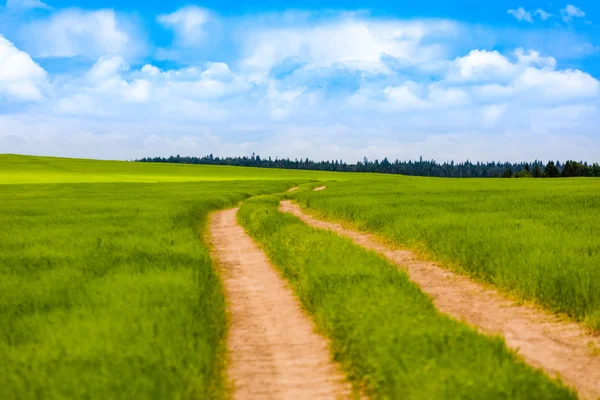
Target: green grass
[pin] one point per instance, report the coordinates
(107, 291)
(536, 239)
(385, 331)
(29, 169)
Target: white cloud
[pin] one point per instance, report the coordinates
(530, 77)
(24, 5)
(441, 96)
(406, 96)
(73, 32)
(570, 12)
(412, 96)
(217, 71)
(150, 70)
(521, 14)
(370, 40)
(558, 84)
(281, 102)
(543, 14)
(106, 68)
(492, 113)
(490, 66)
(491, 92)
(482, 65)
(189, 24)
(212, 82)
(21, 79)
(106, 77)
(534, 58)
(112, 88)
(138, 91)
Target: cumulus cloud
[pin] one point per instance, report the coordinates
(542, 14)
(103, 91)
(492, 113)
(570, 12)
(562, 85)
(487, 79)
(74, 32)
(111, 88)
(521, 14)
(266, 48)
(24, 5)
(189, 24)
(533, 57)
(527, 76)
(411, 96)
(482, 65)
(21, 79)
(405, 96)
(107, 68)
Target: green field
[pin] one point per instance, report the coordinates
(537, 239)
(107, 289)
(386, 332)
(17, 169)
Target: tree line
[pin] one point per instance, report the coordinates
(467, 169)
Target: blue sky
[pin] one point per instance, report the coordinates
(326, 80)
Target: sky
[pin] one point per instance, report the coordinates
(516, 80)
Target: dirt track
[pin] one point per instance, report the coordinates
(274, 352)
(542, 340)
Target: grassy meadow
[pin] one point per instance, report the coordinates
(18, 169)
(107, 290)
(384, 330)
(537, 239)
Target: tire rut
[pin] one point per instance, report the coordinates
(273, 349)
(543, 340)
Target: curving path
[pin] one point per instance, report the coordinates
(274, 352)
(539, 337)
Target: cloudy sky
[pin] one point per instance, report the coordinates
(514, 80)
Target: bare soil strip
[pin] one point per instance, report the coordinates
(539, 337)
(290, 190)
(274, 352)
(318, 189)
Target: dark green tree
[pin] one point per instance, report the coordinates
(421, 167)
(551, 171)
(574, 168)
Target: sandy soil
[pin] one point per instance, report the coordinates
(274, 352)
(318, 189)
(540, 338)
(290, 190)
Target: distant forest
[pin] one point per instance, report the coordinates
(467, 169)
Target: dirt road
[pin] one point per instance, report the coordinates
(539, 337)
(274, 352)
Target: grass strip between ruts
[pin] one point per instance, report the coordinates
(386, 333)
